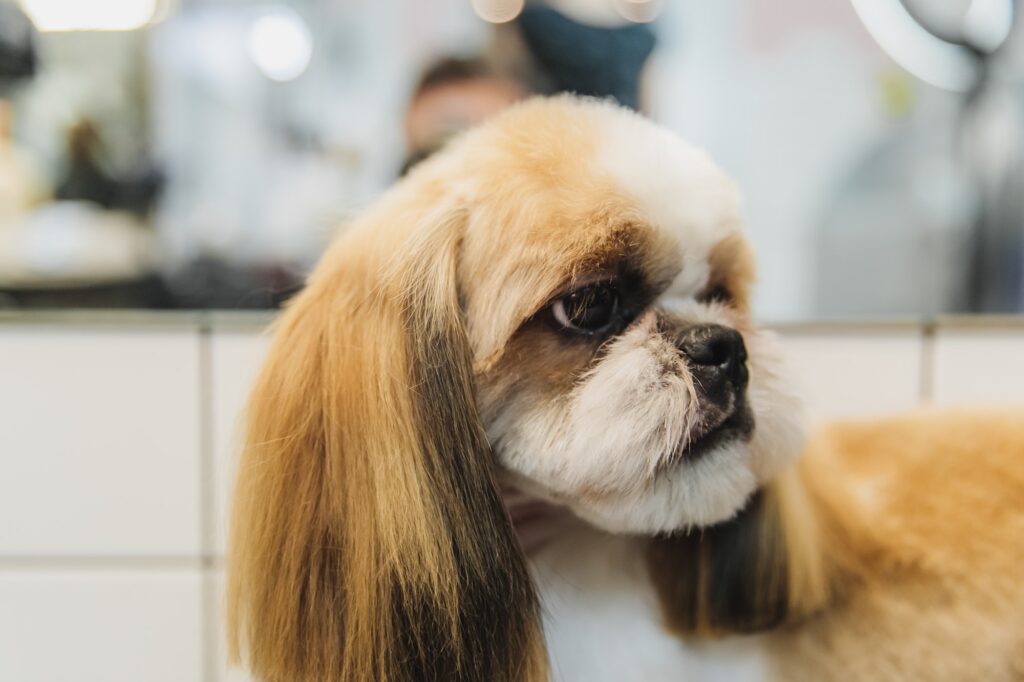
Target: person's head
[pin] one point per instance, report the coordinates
(18, 56)
(453, 94)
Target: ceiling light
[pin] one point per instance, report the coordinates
(90, 15)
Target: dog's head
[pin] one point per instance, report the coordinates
(605, 284)
(560, 298)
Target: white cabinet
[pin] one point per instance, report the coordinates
(99, 441)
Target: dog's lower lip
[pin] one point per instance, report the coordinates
(694, 446)
(736, 424)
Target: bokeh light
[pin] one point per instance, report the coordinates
(90, 15)
(639, 11)
(498, 11)
(280, 43)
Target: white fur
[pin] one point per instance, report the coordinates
(603, 449)
(602, 623)
(676, 187)
(599, 450)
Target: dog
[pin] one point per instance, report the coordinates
(520, 425)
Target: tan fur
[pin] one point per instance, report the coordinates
(552, 367)
(369, 542)
(733, 267)
(903, 550)
(937, 504)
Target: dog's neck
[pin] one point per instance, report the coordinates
(791, 551)
(798, 545)
(801, 543)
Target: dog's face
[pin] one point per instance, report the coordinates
(605, 284)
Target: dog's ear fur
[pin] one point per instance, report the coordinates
(369, 539)
(763, 568)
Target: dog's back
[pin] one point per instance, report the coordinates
(941, 592)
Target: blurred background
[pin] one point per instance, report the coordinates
(186, 161)
(200, 153)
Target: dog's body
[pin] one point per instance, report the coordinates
(931, 587)
(553, 313)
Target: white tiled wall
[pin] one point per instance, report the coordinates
(856, 373)
(100, 625)
(100, 442)
(116, 456)
(975, 366)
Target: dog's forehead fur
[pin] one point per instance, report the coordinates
(556, 189)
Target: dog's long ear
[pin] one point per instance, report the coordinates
(369, 540)
(765, 567)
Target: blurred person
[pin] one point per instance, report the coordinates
(588, 47)
(18, 57)
(454, 94)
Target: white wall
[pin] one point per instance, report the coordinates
(115, 452)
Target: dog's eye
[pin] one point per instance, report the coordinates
(717, 293)
(590, 310)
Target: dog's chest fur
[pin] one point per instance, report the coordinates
(602, 621)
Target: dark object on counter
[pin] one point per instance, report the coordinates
(209, 283)
(204, 284)
(992, 145)
(18, 57)
(598, 61)
(148, 292)
(87, 180)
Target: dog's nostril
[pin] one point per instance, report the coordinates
(715, 346)
(718, 351)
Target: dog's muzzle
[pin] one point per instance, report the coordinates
(717, 359)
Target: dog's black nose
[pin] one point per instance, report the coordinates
(719, 349)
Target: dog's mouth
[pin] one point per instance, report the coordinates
(737, 424)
